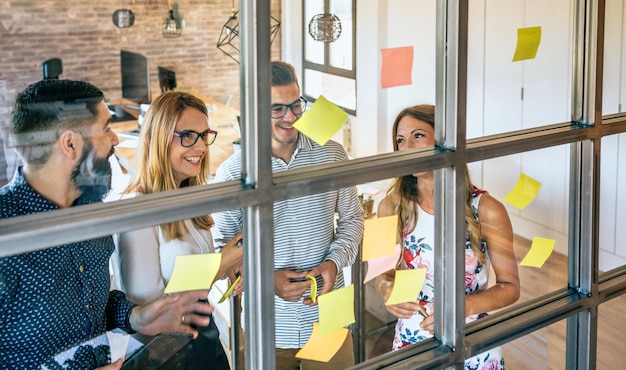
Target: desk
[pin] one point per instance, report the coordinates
(223, 120)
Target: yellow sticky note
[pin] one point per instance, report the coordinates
(322, 348)
(376, 266)
(539, 251)
(406, 286)
(193, 272)
(528, 40)
(523, 192)
(379, 237)
(322, 121)
(336, 309)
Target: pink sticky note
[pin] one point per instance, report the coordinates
(376, 266)
(397, 67)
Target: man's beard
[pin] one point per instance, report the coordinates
(92, 176)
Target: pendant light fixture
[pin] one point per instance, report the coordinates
(228, 41)
(172, 27)
(325, 27)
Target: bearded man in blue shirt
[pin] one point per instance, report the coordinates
(58, 297)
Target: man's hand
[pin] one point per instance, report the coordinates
(286, 288)
(172, 314)
(328, 271)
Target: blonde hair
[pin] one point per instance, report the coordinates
(154, 169)
(404, 193)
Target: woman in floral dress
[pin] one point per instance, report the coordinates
(489, 241)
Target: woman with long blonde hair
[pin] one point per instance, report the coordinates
(489, 241)
(173, 153)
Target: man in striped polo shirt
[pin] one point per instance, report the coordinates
(305, 238)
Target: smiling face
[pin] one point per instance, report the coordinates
(413, 133)
(187, 162)
(283, 134)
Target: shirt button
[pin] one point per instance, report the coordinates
(81, 268)
(88, 305)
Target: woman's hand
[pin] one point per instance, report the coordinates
(232, 259)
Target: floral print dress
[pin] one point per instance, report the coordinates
(418, 253)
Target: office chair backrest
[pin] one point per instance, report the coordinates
(52, 68)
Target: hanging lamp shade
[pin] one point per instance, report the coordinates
(325, 27)
(172, 27)
(228, 41)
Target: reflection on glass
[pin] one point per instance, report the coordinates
(504, 95)
(341, 50)
(611, 334)
(612, 210)
(542, 349)
(314, 50)
(340, 90)
(614, 84)
(545, 215)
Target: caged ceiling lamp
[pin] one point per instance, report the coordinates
(172, 26)
(228, 41)
(325, 27)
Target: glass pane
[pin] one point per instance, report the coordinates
(339, 90)
(341, 50)
(543, 349)
(614, 83)
(544, 219)
(612, 202)
(313, 50)
(611, 334)
(507, 95)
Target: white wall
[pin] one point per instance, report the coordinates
(495, 103)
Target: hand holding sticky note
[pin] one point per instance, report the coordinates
(193, 272)
(406, 286)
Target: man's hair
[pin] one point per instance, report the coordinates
(44, 109)
(283, 74)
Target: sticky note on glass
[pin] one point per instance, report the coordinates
(336, 309)
(528, 40)
(406, 286)
(193, 272)
(523, 192)
(378, 265)
(539, 251)
(397, 67)
(322, 348)
(322, 121)
(379, 237)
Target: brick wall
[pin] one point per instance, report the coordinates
(82, 34)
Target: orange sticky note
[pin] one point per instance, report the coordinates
(379, 237)
(336, 309)
(528, 40)
(322, 348)
(397, 67)
(193, 272)
(378, 265)
(406, 286)
(539, 251)
(322, 121)
(523, 192)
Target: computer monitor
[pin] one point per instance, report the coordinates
(167, 79)
(135, 77)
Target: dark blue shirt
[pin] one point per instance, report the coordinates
(56, 298)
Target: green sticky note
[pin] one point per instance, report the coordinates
(539, 251)
(193, 272)
(528, 40)
(406, 286)
(523, 192)
(336, 309)
(322, 121)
